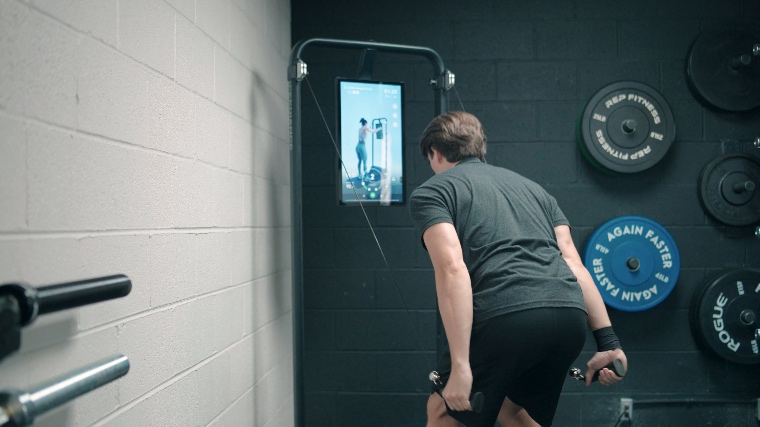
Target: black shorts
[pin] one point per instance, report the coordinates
(524, 356)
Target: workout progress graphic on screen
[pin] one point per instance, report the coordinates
(371, 131)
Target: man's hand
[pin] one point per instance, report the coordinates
(602, 359)
(458, 388)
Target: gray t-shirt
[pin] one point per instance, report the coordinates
(505, 223)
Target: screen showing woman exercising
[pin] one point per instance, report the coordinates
(371, 142)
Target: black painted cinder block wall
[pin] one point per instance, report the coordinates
(526, 68)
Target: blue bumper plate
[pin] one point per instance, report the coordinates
(633, 261)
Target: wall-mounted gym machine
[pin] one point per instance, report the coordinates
(441, 82)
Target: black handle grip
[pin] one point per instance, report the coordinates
(476, 401)
(615, 366)
(74, 294)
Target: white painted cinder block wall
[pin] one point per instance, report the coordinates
(150, 138)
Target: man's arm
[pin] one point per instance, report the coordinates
(597, 312)
(452, 283)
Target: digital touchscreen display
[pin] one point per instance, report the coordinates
(370, 131)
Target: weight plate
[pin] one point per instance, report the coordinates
(725, 315)
(728, 189)
(633, 261)
(722, 71)
(626, 127)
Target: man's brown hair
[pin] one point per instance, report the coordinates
(456, 135)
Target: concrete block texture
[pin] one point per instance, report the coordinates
(112, 91)
(13, 177)
(149, 138)
(96, 18)
(184, 7)
(132, 187)
(213, 17)
(38, 73)
(233, 84)
(475, 41)
(244, 33)
(247, 143)
(171, 113)
(146, 33)
(172, 258)
(213, 130)
(238, 414)
(195, 59)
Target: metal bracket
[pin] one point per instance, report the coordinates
(298, 72)
(366, 64)
(445, 80)
(734, 146)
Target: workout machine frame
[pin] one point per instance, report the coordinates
(443, 80)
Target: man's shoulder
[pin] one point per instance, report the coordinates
(425, 188)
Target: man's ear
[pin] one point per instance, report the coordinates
(436, 155)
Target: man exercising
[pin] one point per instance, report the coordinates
(513, 293)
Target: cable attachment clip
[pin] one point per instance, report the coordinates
(298, 72)
(576, 374)
(445, 80)
(435, 377)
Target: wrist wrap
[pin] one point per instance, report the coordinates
(606, 339)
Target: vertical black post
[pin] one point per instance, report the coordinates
(296, 229)
(441, 99)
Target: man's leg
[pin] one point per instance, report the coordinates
(436, 413)
(512, 415)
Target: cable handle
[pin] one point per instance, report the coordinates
(18, 408)
(476, 398)
(615, 366)
(47, 299)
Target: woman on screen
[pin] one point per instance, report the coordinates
(361, 148)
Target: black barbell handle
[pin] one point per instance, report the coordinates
(74, 294)
(47, 299)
